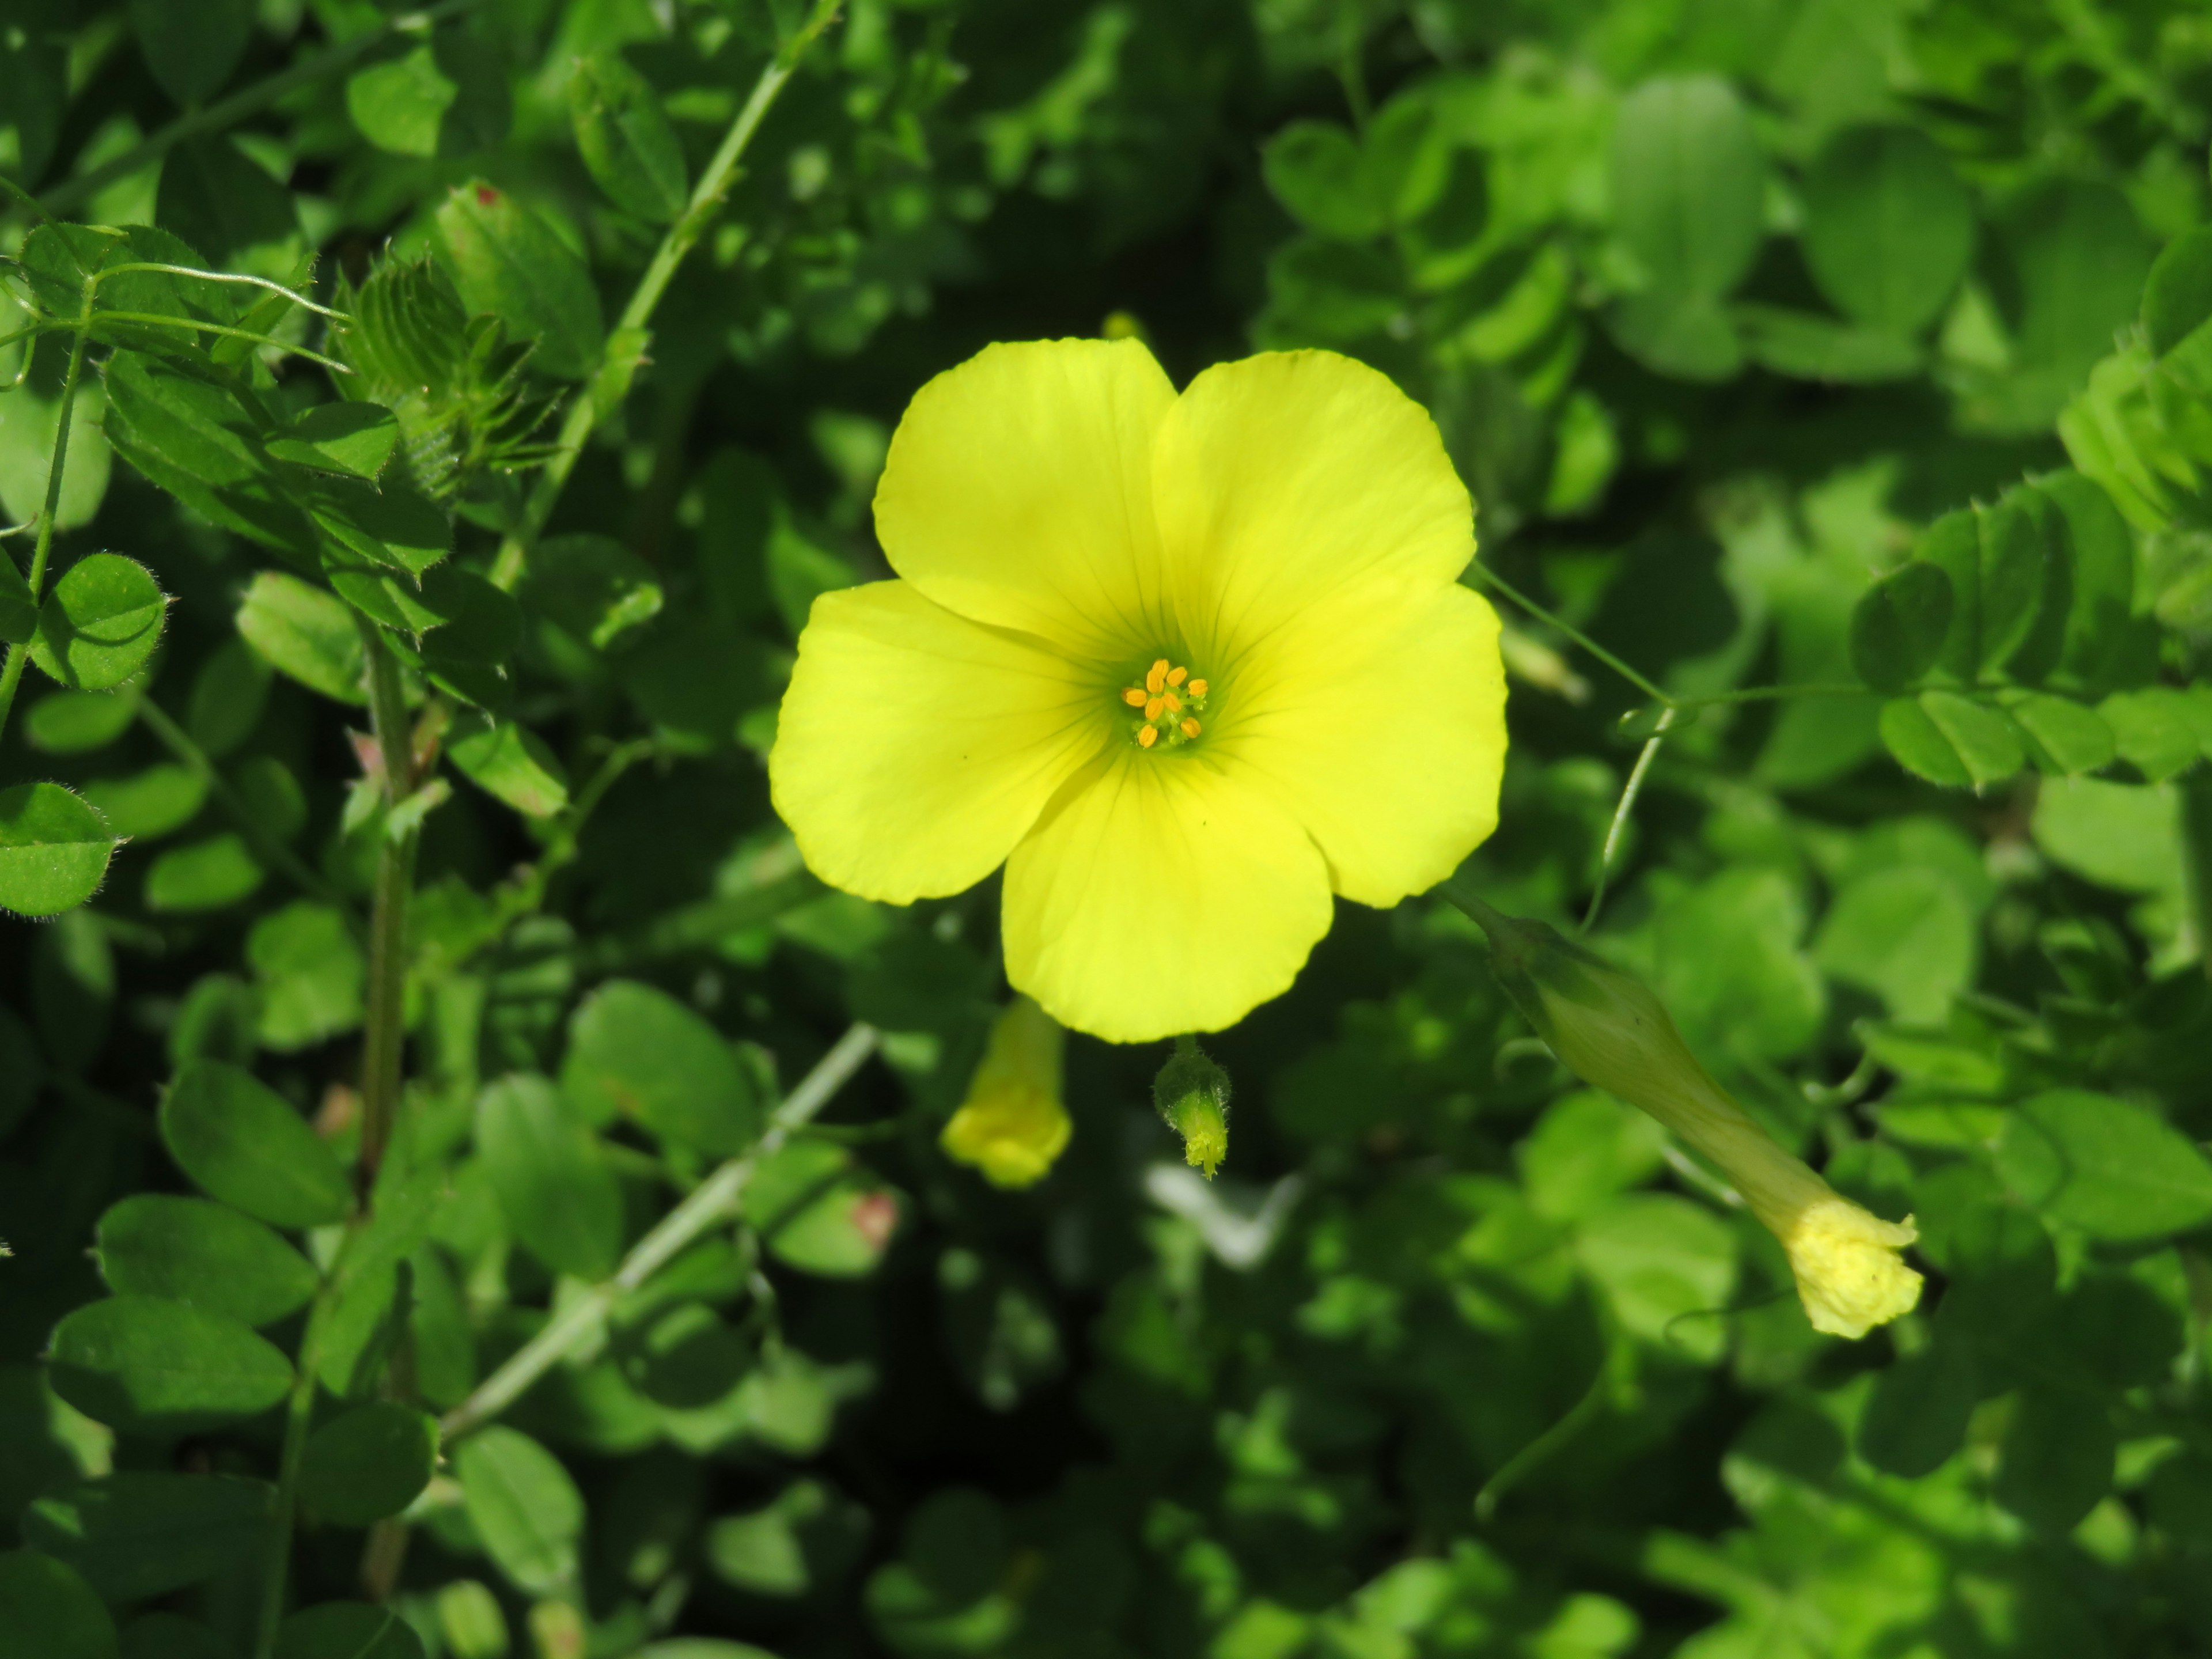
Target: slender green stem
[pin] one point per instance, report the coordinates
(69, 194)
(271, 851)
(299, 1417)
(1770, 694)
(12, 675)
(293, 295)
(1491, 579)
(384, 1036)
(706, 202)
(1584, 1411)
(1627, 805)
(710, 1203)
(190, 326)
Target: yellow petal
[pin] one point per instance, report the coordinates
(1160, 895)
(1284, 480)
(1378, 723)
(1018, 491)
(915, 748)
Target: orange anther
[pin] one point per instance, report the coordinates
(1135, 697)
(1157, 677)
(1198, 688)
(1189, 728)
(1173, 702)
(1147, 736)
(1152, 708)
(1177, 675)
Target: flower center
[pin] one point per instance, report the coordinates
(1168, 705)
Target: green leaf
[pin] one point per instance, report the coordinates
(2177, 294)
(51, 1611)
(524, 1507)
(1689, 185)
(625, 139)
(511, 762)
(2160, 731)
(2066, 739)
(368, 1463)
(1690, 339)
(1907, 935)
(636, 1051)
(553, 1181)
(312, 973)
(242, 1143)
(2111, 1167)
(192, 49)
(1916, 1418)
(78, 722)
(819, 1213)
(2022, 578)
(2072, 258)
(305, 633)
(347, 1630)
(591, 586)
(30, 419)
(189, 1249)
(1888, 227)
(2104, 639)
(143, 1365)
(507, 262)
(2121, 835)
(1667, 1267)
(1897, 628)
(685, 1358)
(197, 441)
(448, 97)
(395, 527)
(224, 202)
(228, 694)
(1810, 347)
(138, 1534)
(54, 849)
(1952, 740)
(1315, 170)
(150, 804)
(2056, 1458)
(352, 438)
(206, 875)
(101, 624)
(805, 1539)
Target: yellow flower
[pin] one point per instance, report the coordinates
(1185, 665)
(1609, 1029)
(1012, 1126)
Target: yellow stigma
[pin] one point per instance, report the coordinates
(1166, 703)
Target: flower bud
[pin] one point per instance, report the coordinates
(1609, 1029)
(1012, 1126)
(1192, 1094)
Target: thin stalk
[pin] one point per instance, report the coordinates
(298, 1417)
(191, 326)
(1628, 794)
(271, 851)
(710, 1203)
(1490, 578)
(384, 1034)
(683, 235)
(249, 101)
(240, 276)
(1584, 1411)
(12, 675)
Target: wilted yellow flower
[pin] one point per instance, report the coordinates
(1608, 1030)
(1185, 665)
(1012, 1126)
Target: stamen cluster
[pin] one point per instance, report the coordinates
(1167, 702)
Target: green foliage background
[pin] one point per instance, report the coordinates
(1854, 346)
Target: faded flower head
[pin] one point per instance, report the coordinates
(1186, 664)
(1012, 1126)
(1609, 1029)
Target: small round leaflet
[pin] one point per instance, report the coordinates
(54, 848)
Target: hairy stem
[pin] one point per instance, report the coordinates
(710, 1203)
(706, 202)
(12, 675)
(72, 192)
